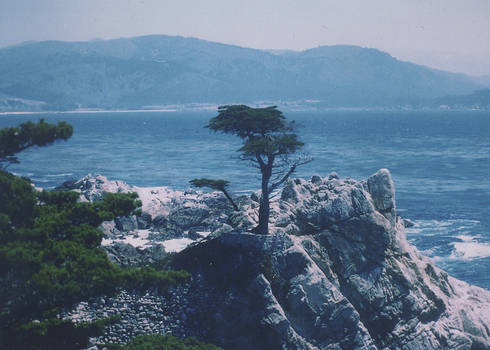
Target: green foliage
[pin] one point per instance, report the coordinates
(218, 185)
(50, 255)
(264, 131)
(50, 258)
(54, 333)
(28, 134)
(147, 277)
(271, 145)
(245, 121)
(163, 342)
(17, 200)
(118, 204)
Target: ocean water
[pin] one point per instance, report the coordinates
(440, 162)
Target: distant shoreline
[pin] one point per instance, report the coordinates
(90, 111)
(215, 108)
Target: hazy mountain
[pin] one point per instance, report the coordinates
(479, 99)
(158, 70)
(483, 80)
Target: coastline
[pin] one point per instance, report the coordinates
(98, 111)
(215, 107)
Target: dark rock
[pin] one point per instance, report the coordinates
(144, 221)
(69, 185)
(126, 223)
(254, 197)
(183, 218)
(127, 255)
(408, 223)
(315, 179)
(160, 221)
(289, 193)
(192, 234)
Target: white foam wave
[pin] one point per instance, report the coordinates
(466, 238)
(469, 250)
(428, 252)
(414, 230)
(40, 180)
(59, 175)
(463, 241)
(436, 227)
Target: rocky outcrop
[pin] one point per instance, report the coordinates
(336, 272)
(166, 215)
(125, 254)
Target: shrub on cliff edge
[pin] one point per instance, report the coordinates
(162, 342)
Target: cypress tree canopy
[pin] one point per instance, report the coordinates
(268, 142)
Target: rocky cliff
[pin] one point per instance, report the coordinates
(335, 273)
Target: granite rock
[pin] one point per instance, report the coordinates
(336, 272)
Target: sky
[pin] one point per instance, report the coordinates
(452, 35)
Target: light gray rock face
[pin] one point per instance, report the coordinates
(382, 190)
(336, 272)
(94, 187)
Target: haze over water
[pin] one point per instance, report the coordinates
(440, 162)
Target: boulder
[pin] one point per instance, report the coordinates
(144, 221)
(127, 255)
(185, 217)
(129, 223)
(382, 190)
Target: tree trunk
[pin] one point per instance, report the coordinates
(264, 209)
(227, 195)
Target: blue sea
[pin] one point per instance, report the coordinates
(440, 162)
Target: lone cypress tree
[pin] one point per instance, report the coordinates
(268, 142)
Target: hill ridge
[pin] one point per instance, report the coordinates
(160, 70)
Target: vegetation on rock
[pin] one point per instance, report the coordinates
(268, 142)
(50, 255)
(163, 342)
(55, 333)
(218, 185)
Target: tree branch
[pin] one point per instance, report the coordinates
(260, 161)
(284, 178)
(300, 161)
